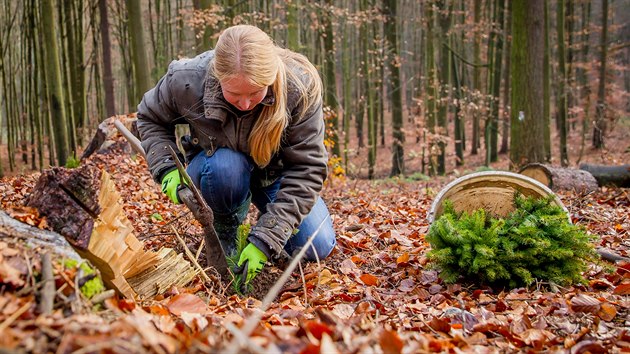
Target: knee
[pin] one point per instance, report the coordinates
(225, 179)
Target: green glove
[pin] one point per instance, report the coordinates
(170, 182)
(251, 259)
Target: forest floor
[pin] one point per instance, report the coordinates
(374, 294)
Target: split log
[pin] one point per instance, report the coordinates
(559, 178)
(618, 176)
(84, 206)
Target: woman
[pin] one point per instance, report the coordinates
(256, 135)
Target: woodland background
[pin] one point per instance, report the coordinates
(412, 86)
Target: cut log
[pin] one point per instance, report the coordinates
(559, 178)
(84, 206)
(12, 229)
(618, 176)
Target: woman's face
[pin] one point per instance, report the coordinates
(240, 93)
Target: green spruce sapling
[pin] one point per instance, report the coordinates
(536, 241)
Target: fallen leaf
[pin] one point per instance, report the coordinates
(622, 289)
(402, 259)
(325, 277)
(327, 345)
(440, 325)
(585, 303)
(369, 279)
(186, 303)
(317, 328)
(195, 321)
(607, 312)
(343, 310)
(406, 285)
(390, 342)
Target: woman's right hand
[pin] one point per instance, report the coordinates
(170, 182)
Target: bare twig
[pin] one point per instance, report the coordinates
(4, 325)
(201, 245)
(47, 295)
(252, 322)
(191, 256)
(249, 344)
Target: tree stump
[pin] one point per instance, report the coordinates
(559, 178)
(84, 206)
(609, 175)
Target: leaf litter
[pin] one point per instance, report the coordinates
(374, 293)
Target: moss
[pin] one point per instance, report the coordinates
(91, 287)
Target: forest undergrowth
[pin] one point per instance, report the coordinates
(375, 293)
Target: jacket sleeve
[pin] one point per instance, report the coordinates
(157, 116)
(305, 168)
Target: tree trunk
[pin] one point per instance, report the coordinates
(330, 98)
(444, 73)
(54, 83)
(527, 121)
(599, 128)
(84, 206)
(609, 175)
(492, 124)
(108, 78)
(391, 32)
(547, 86)
(559, 178)
(562, 84)
(138, 50)
(431, 92)
(476, 78)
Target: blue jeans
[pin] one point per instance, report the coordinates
(225, 182)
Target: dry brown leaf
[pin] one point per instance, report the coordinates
(186, 303)
(369, 279)
(622, 289)
(390, 342)
(585, 303)
(607, 312)
(402, 259)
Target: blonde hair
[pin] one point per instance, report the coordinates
(249, 51)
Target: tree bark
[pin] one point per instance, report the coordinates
(527, 121)
(599, 128)
(609, 175)
(54, 84)
(108, 78)
(559, 178)
(391, 32)
(138, 50)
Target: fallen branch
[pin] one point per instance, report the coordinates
(47, 295)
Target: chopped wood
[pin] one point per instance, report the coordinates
(84, 206)
(560, 178)
(171, 269)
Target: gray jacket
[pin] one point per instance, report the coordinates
(190, 94)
